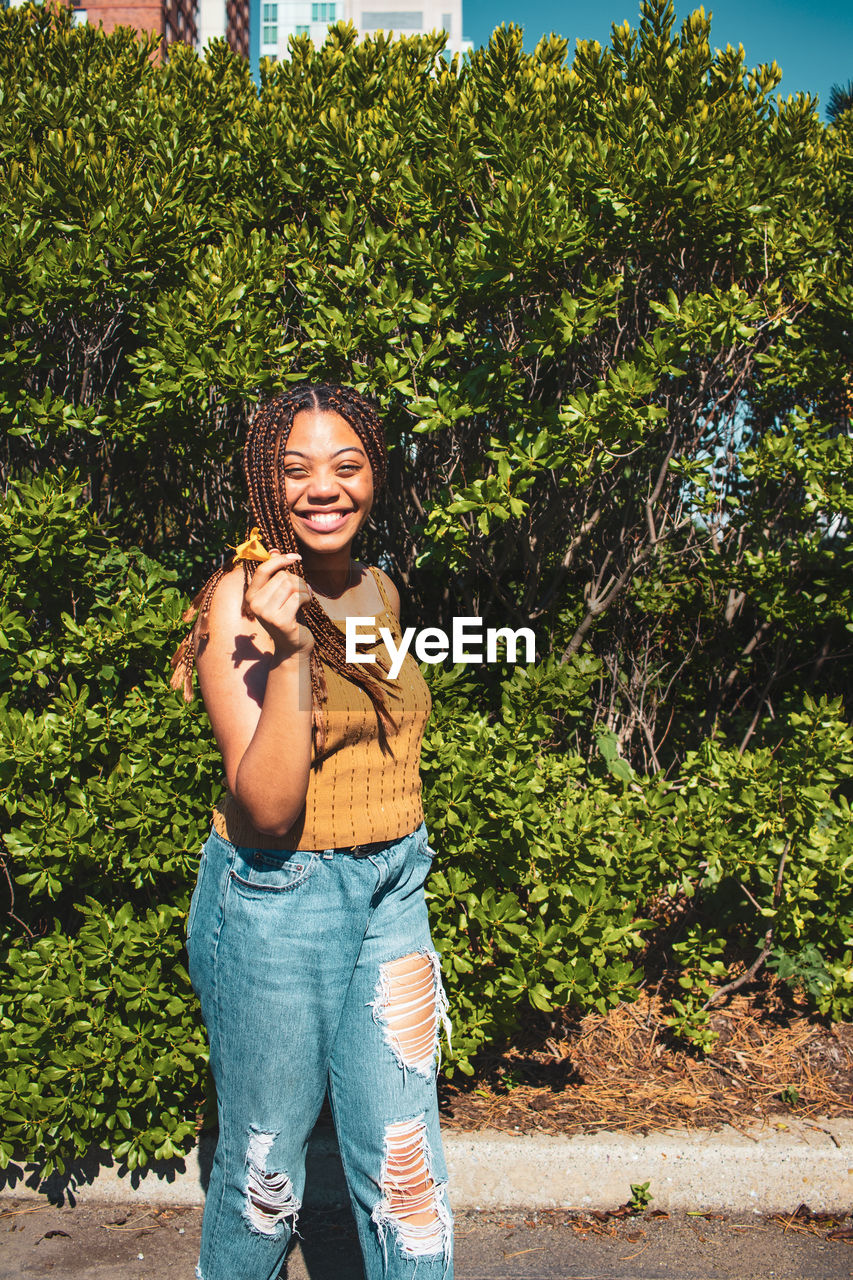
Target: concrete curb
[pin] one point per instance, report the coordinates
(768, 1168)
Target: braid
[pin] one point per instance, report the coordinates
(183, 659)
(268, 508)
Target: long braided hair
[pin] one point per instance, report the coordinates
(263, 461)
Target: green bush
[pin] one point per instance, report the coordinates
(550, 865)
(547, 865)
(767, 842)
(107, 783)
(537, 896)
(604, 303)
(605, 309)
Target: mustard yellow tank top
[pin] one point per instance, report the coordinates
(357, 792)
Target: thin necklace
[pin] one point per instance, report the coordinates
(324, 595)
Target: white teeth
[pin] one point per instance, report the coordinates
(325, 517)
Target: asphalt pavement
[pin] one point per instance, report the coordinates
(772, 1201)
(148, 1242)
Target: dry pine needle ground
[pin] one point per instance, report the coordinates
(624, 1071)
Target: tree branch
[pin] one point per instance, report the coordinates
(750, 973)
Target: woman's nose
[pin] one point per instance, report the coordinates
(323, 484)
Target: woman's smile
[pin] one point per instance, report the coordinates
(323, 521)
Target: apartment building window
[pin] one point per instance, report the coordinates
(323, 12)
(392, 20)
(446, 22)
(269, 34)
(303, 31)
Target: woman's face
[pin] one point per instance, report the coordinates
(328, 481)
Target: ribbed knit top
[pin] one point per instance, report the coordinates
(357, 792)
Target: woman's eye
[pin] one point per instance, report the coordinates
(345, 469)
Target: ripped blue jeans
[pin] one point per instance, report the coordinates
(316, 971)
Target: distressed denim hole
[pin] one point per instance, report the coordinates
(413, 1206)
(270, 1198)
(411, 1008)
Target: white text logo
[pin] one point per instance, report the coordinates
(433, 645)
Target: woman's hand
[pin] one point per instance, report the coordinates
(275, 597)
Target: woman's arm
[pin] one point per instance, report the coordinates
(256, 683)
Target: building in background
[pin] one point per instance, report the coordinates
(261, 28)
(281, 19)
(190, 21)
(229, 18)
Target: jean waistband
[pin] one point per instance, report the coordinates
(354, 851)
(365, 850)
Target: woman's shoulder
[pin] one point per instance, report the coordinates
(388, 591)
(227, 602)
(225, 620)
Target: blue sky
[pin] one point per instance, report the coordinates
(812, 43)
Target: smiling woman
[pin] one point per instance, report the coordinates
(328, 485)
(308, 934)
